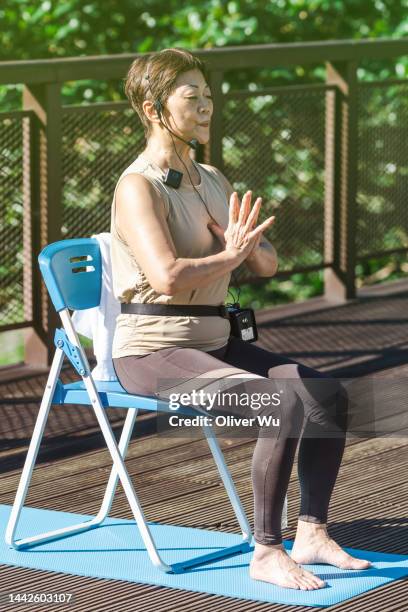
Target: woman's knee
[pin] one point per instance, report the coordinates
(277, 410)
(342, 406)
(336, 396)
(329, 410)
(325, 398)
(291, 414)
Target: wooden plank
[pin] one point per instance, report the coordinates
(190, 512)
(366, 511)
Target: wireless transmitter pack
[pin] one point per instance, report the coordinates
(172, 178)
(243, 324)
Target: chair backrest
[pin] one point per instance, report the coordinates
(72, 272)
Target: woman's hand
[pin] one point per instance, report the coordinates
(241, 236)
(251, 254)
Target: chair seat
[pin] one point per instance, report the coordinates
(113, 395)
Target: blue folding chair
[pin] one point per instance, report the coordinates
(72, 272)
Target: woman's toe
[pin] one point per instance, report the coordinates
(362, 563)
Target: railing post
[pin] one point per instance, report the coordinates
(42, 169)
(341, 181)
(35, 349)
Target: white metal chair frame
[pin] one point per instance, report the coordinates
(118, 471)
(118, 454)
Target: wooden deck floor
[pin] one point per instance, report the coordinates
(368, 507)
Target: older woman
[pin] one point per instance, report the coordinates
(178, 231)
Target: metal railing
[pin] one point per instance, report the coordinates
(330, 158)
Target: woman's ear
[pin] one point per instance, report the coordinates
(150, 111)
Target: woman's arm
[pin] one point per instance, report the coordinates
(141, 220)
(263, 259)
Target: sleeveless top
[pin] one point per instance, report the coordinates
(187, 218)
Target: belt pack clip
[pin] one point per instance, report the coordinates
(243, 324)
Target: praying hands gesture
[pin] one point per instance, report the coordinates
(241, 235)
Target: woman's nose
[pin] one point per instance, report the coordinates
(206, 109)
(206, 105)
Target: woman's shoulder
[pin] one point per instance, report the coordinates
(141, 173)
(219, 176)
(139, 167)
(212, 170)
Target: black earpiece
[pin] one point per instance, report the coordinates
(193, 143)
(158, 106)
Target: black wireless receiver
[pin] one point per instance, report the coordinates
(243, 324)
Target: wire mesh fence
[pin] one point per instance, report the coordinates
(15, 219)
(276, 141)
(274, 144)
(382, 217)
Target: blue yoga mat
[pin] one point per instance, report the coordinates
(116, 551)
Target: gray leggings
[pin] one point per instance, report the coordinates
(313, 401)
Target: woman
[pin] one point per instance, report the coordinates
(176, 240)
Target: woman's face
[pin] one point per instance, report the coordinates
(189, 106)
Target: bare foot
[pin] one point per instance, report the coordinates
(314, 545)
(273, 564)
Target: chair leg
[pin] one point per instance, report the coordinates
(121, 471)
(114, 477)
(228, 482)
(28, 470)
(230, 487)
(245, 545)
(284, 523)
(115, 453)
(33, 448)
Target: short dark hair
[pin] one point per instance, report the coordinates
(163, 68)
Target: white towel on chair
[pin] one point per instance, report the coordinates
(98, 323)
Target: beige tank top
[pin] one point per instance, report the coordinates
(187, 219)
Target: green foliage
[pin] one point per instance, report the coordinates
(88, 27)
(297, 288)
(51, 29)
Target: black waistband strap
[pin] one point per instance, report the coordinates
(192, 310)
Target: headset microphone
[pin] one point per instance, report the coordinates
(193, 143)
(173, 177)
